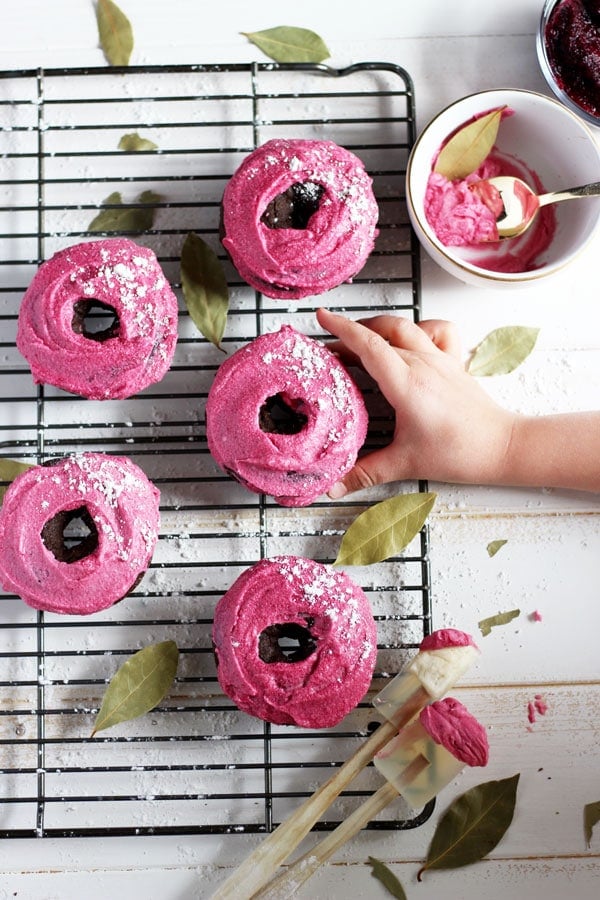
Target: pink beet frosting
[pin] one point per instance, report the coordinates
(308, 379)
(461, 216)
(122, 506)
(126, 278)
(450, 724)
(294, 262)
(293, 597)
(447, 637)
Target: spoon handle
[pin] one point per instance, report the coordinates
(585, 190)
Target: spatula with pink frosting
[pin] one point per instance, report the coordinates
(443, 658)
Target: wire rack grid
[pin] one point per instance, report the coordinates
(195, 764)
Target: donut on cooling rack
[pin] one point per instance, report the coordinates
(295, 642)
(116, 283)
(77, 535)
(299, 217)
(284, 417)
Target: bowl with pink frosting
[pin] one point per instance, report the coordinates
(538, 140)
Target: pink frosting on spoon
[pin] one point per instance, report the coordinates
(317, 606)
(126, 278)
(299, 261)
(309, 382)
(122, 506)
(446, 637)
(450, 724)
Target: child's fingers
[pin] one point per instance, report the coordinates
(376, 355)
(378, 467)
(444, 335)
(400, 333)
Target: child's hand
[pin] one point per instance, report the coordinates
(447, 427)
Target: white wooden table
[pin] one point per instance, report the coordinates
(550, 562)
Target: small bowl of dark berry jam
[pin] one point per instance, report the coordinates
(568, 49)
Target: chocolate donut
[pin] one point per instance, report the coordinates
(299, 217)
(295, 642)
(113, 508)
(112, 282)
(284, 417)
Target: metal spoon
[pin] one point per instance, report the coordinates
(516, 204)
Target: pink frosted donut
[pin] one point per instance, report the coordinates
(115, 508)
(122, 282)
(299, 217)
(284, 417)
(327, 624)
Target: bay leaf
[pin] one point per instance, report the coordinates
(138, 685)
(115, 31)
(494, 546)
(468, 148)
(384, 529)
(9, 469)
(503, 350)
(133, 142)
(387, 878)
(486, 625)
(473, 825)
(118, 218)
(289, 44)
(204, 286)
(591, 816)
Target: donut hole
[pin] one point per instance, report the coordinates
(293, 208)
(281, 414)
(286, 642)
(95, 320)
(71, 534)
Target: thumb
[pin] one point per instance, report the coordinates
(377, 467)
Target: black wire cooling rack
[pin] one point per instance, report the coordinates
(195, 764)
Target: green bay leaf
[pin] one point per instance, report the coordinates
(473, 825)
(494, 546)
(468, 147)
(289, 44)
(591, 816)
(384, 529)
(486, 625)
(115, 32)
(9, 469)
(387, 878)
(133, 142)
(503, 350)
(119, 218)
(138, 685)
(204, 286)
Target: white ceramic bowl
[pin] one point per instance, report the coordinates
(550, 140)
(548, 72)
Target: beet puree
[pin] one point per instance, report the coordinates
(572, 39)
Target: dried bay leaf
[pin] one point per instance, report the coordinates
(384, 529)
(138, 685)
(9, 469)
(115, 31)
(468, 148)
(133, 142)
(204, 288)
(494, 546)
(472, 825)
(591, 816)
(289, 44)
(486, 625)
(503, 350)
(387, 878)
(119, 218)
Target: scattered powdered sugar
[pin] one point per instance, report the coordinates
(319, 583)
